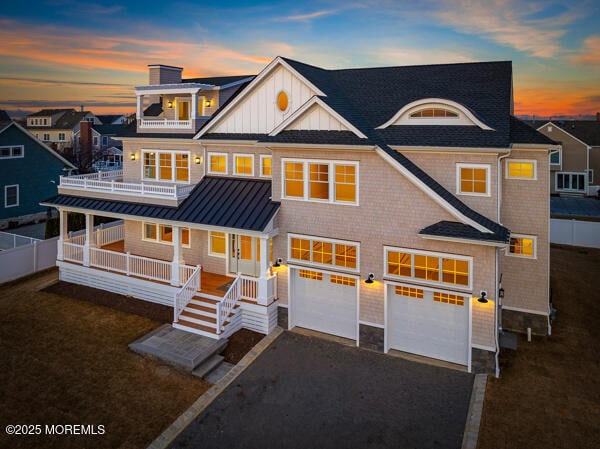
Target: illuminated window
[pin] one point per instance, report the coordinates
(244, 165)
(448, 298)
(308, 274)
(217, 163)
(434, 112)
(294, 179)
(473, 179)
(345, 183)
(399, 264)
(319, 181)
(282, 101)
(345, 255)
(216, 243)
(522, 246)
(164, 234)
(182, 167)
(426, 266)
(409, 292)
(323, 252)
(342, 280)
(266, 164)
(166, 165)
(323, 181)
(327, 252)
(300, 249)
(517, 169)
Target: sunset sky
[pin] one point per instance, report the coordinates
(63, 53)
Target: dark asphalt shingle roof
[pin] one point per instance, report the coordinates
(154, 110)
(522, 132)
(109, 130)
(216, 201)
(454, 229)
(574, 207)
(217, 80)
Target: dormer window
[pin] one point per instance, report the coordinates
(433, 112)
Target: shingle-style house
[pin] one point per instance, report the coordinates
(29, 173)
(56, 127)
(404, 208)
(575, 167)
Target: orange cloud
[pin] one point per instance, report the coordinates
(590, 53)
(555, 101)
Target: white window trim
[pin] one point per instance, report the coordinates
(10, 147)
(262, 157)
(48, 139)
(210, 252)
(331, 180)
(570, 173)
(418, 281)
(173, 167)
(188, 100)
(235, 156)
(559, 163)
(164, 242)
(64, 137)
(487, 179)
(333, 266)
(532, 237)
(209, 171)
(527, 161)
(6, 187)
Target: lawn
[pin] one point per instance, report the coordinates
(548, 395)
(66, 361)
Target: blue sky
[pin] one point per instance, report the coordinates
(62, 53)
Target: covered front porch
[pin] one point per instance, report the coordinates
(204, 302)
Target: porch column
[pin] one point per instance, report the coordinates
(264, 267)
(62, 229)
(139, 106)
(194, 111)
(89, 231)
(177, 260)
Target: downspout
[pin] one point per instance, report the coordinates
(587, 170)
(498, 311)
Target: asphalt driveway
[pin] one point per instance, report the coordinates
(305, 392)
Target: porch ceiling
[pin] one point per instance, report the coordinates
(221, 202)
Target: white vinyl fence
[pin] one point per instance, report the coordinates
(26, 259)
(575, 232)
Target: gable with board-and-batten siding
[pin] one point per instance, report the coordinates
(258, 113)
(317, 119)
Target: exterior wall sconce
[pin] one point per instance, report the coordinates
(170, 104)
(370, 278)
(278, 262)
(198, 160)
(208, 103)
(132, 156)
(482, 298)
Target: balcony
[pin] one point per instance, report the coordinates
(163, 123)
(111, 185)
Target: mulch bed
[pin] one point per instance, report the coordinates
(239, 344)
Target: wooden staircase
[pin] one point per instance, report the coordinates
(200, 317)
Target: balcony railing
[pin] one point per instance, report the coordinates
(164, 123)
(111, 181)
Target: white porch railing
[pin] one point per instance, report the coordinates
(125, 263)
(108, 182)
(110, 234)
(164, 123)
(187, 292)
(226, 305)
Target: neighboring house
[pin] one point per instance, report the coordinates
(114, 119)
(29, 173)
(575, 168)
(400, 207)
(103, 139)
(56, 127)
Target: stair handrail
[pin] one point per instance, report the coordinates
(185, 294)
(228, 302)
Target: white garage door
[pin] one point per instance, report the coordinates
(429, 323)
(324, 302)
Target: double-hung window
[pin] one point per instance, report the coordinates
(523, 246)
(473, 179)
(320, 181)
(217, 163)
(266, 164)
(216, 243)
(11, 195)
(164, 234)
(244, 164)
(171, 166)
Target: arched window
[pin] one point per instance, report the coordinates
(434, 112)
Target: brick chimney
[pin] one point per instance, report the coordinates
(85, 144)
(598, 116)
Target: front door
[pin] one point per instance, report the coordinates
(183, 110)
(244, 254)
